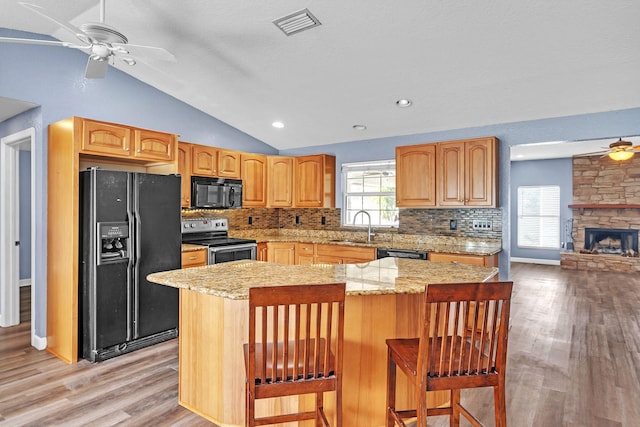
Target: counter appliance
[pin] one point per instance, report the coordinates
(401, 253)
(216, 193)
(129, 228)
(214, 233)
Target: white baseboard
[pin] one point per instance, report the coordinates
(25, 282)
(535, 261)
(39, 343)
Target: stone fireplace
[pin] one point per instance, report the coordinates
(606, 215)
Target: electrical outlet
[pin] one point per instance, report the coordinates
(482, 225)
(453, 224)
(250, 220)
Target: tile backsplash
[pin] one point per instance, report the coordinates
(412, 221)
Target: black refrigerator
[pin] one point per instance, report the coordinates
(129, 228)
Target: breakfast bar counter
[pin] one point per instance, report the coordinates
(383, 301)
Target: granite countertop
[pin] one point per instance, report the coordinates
(460, 247)
(232, 280)
(188, 247)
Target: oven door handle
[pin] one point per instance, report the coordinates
(232, 247)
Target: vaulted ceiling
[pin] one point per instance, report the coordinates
(461, 63)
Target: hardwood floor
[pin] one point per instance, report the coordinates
(574, 360)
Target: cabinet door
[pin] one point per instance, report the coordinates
(262, 252)
(304, 253)
(314, 178)
(184, 169)
(151, 145)
(416, 175)
(228, 164)
(204, 160)
(451, 173)
(254, 180)
(194, 258)
(281, 252)
(279, 181)
(105, 139)
(480, 171)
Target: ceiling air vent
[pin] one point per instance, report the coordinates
(296, 22)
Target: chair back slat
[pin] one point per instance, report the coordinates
(464, 329)
(296, 338)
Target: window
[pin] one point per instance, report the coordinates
(539, 217)
(370, 186)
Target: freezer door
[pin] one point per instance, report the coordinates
(104, 309)
(158, 242)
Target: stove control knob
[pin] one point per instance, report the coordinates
(185, 225)
(193, 226)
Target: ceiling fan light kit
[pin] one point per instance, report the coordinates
(621, 155)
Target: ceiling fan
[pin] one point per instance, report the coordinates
(103, 43)
(618, 150)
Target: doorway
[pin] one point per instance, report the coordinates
(11, 193)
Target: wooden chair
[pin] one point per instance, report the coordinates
(295, 347)
(453, 353)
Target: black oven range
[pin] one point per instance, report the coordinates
(214, 233)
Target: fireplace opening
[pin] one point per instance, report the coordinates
(614, 241)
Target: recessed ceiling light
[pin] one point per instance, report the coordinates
(277, 125)
(359, 127)
(404, 103)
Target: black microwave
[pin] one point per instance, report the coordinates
(216, 193)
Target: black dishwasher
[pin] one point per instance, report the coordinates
(401, 253)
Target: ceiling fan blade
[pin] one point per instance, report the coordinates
(33, 41)
(96, 69)
(593, 153)
(47, 14)
(149, 52)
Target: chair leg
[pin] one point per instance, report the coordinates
(339, 405)
(250, 412)
(391, 389)
(500, 402)
(319, 410)
(454, 418)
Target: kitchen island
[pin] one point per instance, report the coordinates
(383, 301)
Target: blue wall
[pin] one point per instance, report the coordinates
(25, 213)
(53, 78)
(541, 172)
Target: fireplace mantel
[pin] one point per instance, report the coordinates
(583, 206)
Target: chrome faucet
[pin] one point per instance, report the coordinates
(370, 233)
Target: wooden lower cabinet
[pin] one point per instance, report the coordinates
(194, 258)
(281, 252)
(304, 253)
(261, 253)
(484, 260)
(343, 254)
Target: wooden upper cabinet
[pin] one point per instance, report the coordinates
(212, 161)
(204, 160)
(315, 181)
(113, 140)
(416, 175)
(467, 174)
(279, 181)
(105, 139)
(254, 180)
(151, 145)
(184, 169)
(228, 163)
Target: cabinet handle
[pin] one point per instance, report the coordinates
(138, 150)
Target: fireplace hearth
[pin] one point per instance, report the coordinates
(611, 241)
